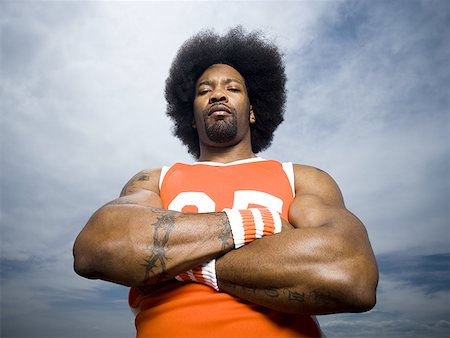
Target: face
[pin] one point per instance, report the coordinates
(221, 106)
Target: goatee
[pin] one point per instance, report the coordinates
(222, 131)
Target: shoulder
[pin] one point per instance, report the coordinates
(147, 179)
(310, 180)
(310, 172)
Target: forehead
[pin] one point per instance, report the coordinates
(218, 72)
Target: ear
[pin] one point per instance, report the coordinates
(252, 117)
(193, 124)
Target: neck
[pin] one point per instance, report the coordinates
(225, 155)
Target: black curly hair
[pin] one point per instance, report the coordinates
(258, 61)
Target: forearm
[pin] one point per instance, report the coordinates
(300, 271)
(137, 245)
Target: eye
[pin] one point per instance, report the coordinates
(202, 91)
(234, 89)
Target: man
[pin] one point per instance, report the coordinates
(232, 245)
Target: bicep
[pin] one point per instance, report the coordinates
(318, 198)
(319, 204)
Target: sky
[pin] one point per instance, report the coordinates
(82, 110)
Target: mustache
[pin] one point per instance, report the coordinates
(218, 107)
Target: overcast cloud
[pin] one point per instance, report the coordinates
(82, 110)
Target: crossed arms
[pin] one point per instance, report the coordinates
(321, 262)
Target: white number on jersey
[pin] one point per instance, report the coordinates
(242, 200)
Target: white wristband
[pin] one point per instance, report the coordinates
(250, 224)
(209, 274)
(204, 274)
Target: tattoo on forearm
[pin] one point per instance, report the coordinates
(316, 297)
(162, 229)
(296, 296)
(249, 289)
(225, 235)
(321, 297)
(271, 292)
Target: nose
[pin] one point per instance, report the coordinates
(218, 95)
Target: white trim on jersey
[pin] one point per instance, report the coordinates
(164, 171)
(289, 170)
(247, 160)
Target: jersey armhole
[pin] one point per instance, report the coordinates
(288, 168)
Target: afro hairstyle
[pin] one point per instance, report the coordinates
(258, 61)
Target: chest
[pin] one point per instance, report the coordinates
(205, 188)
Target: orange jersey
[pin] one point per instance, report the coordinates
(196, 310)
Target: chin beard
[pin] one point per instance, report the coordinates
(222, 131)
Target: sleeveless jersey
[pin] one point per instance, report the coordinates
(196, 310)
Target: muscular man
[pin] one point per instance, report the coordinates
(232, 245)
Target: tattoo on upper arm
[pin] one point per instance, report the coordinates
(130, 185)
(120, 201)
(162, 229)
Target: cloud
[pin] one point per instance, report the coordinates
(413, 298)
(367, 106)
(57, 303)
(84, 111)
(85, 106)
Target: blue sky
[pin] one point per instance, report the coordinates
(82, 110)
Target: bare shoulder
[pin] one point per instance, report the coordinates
(147, 179)
(313, 181)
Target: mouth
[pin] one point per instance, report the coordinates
(219, 110)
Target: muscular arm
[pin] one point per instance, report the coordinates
(324, 264)
(132, 241)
